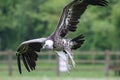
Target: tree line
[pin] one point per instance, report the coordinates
(23, 20)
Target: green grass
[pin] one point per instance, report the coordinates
(55, 78)
(39, 74)
(50, 75)
(46, 70)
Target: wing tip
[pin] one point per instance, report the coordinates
(98, 2)
(19, 63)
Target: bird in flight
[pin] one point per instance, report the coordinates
(27, 50)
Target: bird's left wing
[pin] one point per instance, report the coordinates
(72, 13)
(27, 51)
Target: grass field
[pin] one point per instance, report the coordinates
(55, 78)
(46, 70)
(50, 75)
(41, 74)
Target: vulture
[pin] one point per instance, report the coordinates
(57, 41)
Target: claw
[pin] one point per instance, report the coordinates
(71, 58)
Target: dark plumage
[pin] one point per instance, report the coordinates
(74, 12)
(68, 23)
(78, 41)
(28, 52)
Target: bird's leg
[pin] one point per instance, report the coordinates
(71, 57)
(67, 49)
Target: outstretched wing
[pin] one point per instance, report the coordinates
(27, 51)
(72, 13)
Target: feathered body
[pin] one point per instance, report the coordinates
(56, 41)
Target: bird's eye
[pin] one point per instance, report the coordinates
(63, 42)
(46, 45)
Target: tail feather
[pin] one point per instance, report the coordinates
(78, 41)
(78, 37)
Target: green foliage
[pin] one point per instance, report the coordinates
(23, 20)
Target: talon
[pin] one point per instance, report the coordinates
(71, 58)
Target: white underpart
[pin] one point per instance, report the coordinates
(64, 56)
(48, 44)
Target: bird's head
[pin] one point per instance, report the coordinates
(48, 44)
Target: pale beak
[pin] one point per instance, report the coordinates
(47, 47)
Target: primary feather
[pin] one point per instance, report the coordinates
(28, 52)
(71, 15)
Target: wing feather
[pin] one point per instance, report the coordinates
(28, 52)
(19, 63)
(25, 62)
(78, 41)
(72, 13)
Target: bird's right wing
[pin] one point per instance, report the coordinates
(28, 52)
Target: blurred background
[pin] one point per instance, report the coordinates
(23, 20)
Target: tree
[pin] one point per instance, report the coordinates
(23, 20)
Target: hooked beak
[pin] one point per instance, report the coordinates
(48, 45)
